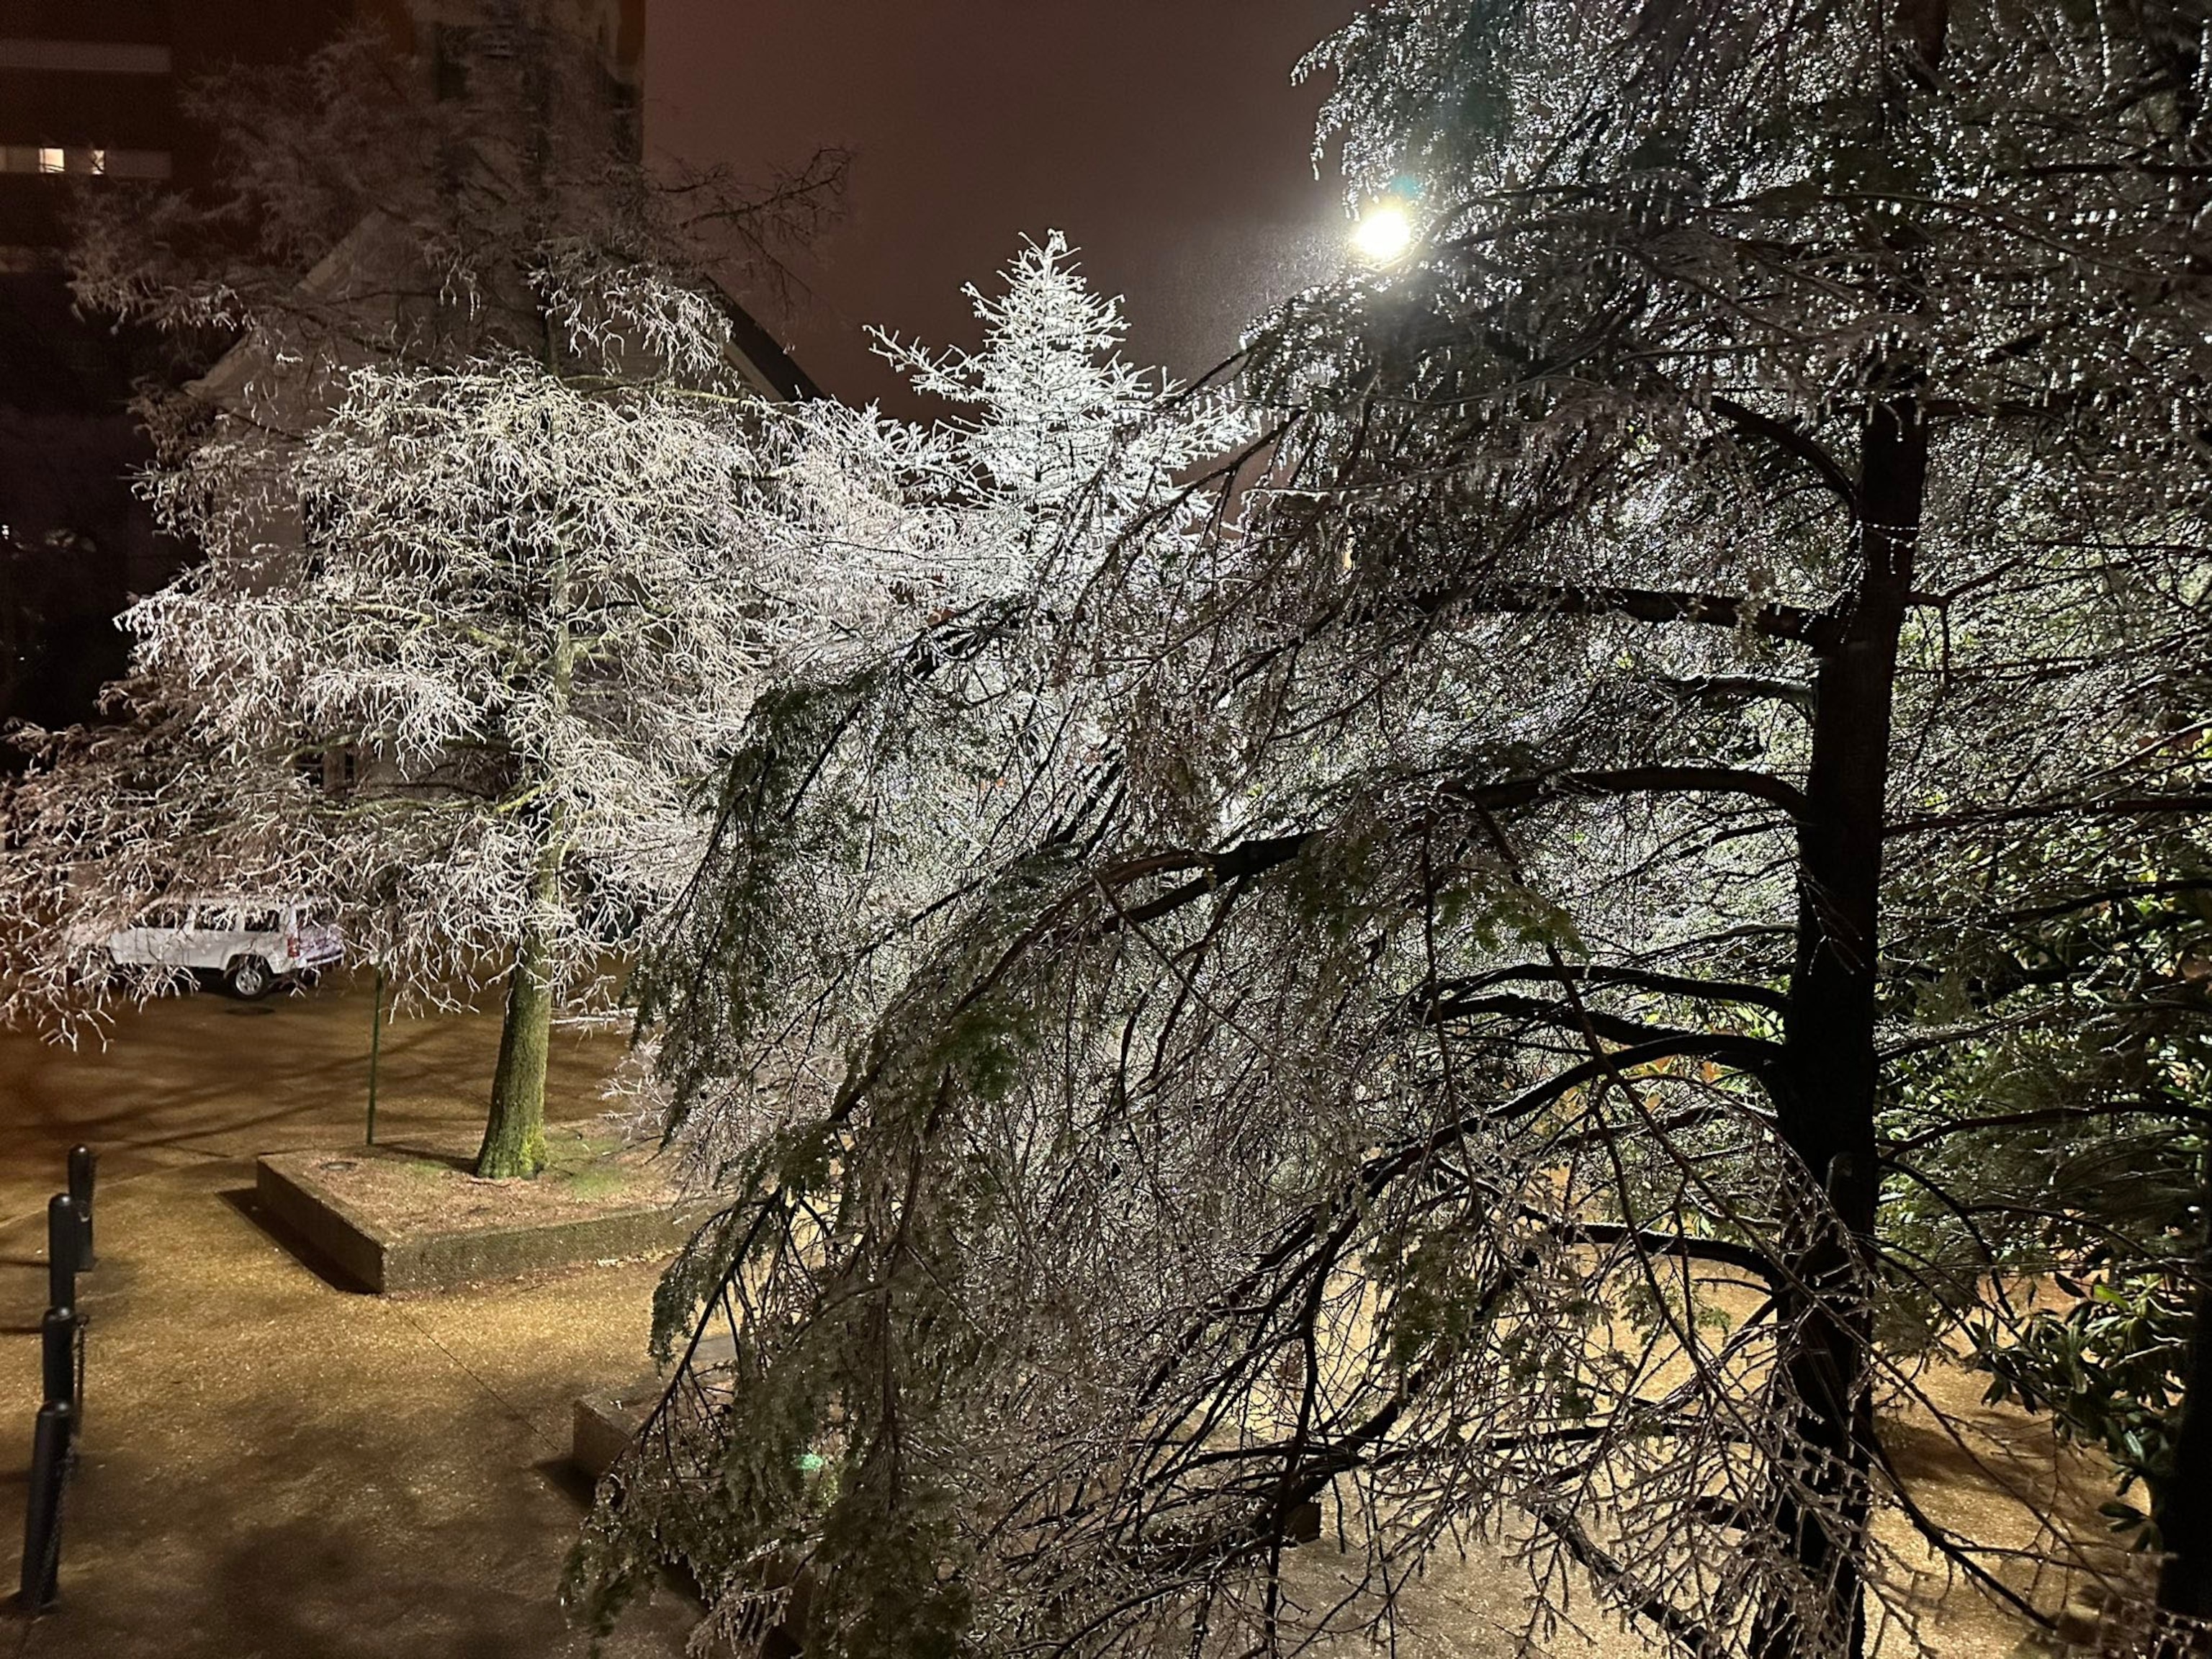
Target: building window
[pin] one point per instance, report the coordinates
(88, 158)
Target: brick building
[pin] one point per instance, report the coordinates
(90, 87)
(91, 92)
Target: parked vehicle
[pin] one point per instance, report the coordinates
(251, 944)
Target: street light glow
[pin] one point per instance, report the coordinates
(1383, 233)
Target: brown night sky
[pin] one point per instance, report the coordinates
(1163, 135)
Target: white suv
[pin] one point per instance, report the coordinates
(251, 942)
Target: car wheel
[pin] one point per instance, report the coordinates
(247, 978)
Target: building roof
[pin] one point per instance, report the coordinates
(766, 363)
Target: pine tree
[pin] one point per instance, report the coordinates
(879, 805)
(1423, 1034)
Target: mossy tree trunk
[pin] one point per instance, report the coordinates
(514, 1134)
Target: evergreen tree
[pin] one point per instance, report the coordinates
(2048, 1211)
(1418, 1030)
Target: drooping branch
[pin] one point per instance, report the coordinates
(1765, 617)
(1677, 984)
(2181, 803)
(1795, 442)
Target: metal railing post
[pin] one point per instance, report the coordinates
(57, 1355)
(61, 1363)
(42, 1525)
(81, 1170)
(64, 1248)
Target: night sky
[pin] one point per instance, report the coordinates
(1164, 136)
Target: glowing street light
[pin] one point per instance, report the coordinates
(1383, 234)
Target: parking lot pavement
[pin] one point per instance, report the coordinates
(272, 1466)
(274, 1469)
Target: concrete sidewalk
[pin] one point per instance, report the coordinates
(275, 1468)
(272, 1466)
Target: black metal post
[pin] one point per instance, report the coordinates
(81, 1169)
(62, 1359)
(42, 1522)
(58, 1344)
(64, 1248)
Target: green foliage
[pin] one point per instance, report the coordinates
(746, 918)
(2068, 1061)
(889, 1580)
(2108, 1369)
(2063, 1139)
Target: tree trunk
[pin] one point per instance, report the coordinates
(515, 1136)
(2184, 1510)
(1828, 1082)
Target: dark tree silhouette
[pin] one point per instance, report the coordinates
(1428, 1029)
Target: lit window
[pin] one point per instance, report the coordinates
(105, 161)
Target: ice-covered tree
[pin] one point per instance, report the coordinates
(879, 801)
(488, 576)
(1452, 957)
(1056, 474)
